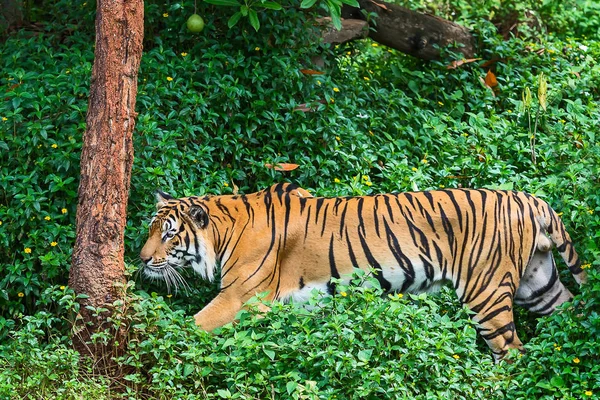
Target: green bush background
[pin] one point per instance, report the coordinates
(213, 109)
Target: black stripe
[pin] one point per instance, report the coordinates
(332, 268)
(350, 251)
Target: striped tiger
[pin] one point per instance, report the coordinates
(493, 246)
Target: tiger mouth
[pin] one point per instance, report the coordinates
(168, 273)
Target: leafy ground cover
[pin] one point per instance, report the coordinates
(214, 108)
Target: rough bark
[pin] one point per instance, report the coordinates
(106, 160)
(352, 29)
(411, 32)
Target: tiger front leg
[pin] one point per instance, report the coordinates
(220, 311)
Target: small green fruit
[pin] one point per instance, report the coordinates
(195, 23)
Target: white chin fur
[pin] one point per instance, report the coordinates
(152, 273)
(204, 270)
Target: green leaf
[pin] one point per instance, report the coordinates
(253, 19)
(365, 355)
(351, 3)
(307, 3)
(227, 3)
(557, 381)
(271, 5)
(244, 10)
(234, 19)
(187, 369)
(335, 11)
(291, 387)
(270, 353)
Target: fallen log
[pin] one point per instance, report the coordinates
(418, 34)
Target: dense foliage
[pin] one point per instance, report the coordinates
(214, 108)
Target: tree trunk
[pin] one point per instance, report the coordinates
(106, 160)
(417, 34)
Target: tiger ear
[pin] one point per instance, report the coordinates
(162, 198)
(199, 216)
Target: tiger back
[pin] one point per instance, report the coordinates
(494, 247)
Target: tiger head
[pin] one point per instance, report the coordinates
(178, 238)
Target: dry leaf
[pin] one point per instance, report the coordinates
(490, 80)
(492, 61)
(304, 107)
(235, 188)
(382, 6)
(486, 86)
(311, 72)
(282, 166)
(457, 63)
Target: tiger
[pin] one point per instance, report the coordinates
(494, 247)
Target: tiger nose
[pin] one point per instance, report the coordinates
(146, 260)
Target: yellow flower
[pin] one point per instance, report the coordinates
(442, 186)
(336, 180)
(343, 294)
(349, 53)
(336, 89)
(47, 218)
(576, 360)
(424, 161)
(366, 78)
(62, 287)
(464, 134)
(4, 119)
(368, 183)
(0, 222)
(374, 44)
(318, 83)
(165, 15)
(584, 266)
(257, 48)
(440, 103)
(590, 212)
(54, 146)
(169, 296)
(588, 393)
(183, 54)
(225, 184)
(21, 294)
(456, 356)
(53, 244)
(64, 211)
(414, 169)
(562, 121)
(169, 78)
(400, 295)
(338, 138)
(27, 250)
(557, 348)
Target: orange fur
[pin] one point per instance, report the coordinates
(492, 246)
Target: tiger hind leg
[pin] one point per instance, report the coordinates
(495, 321)
(540, 289)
